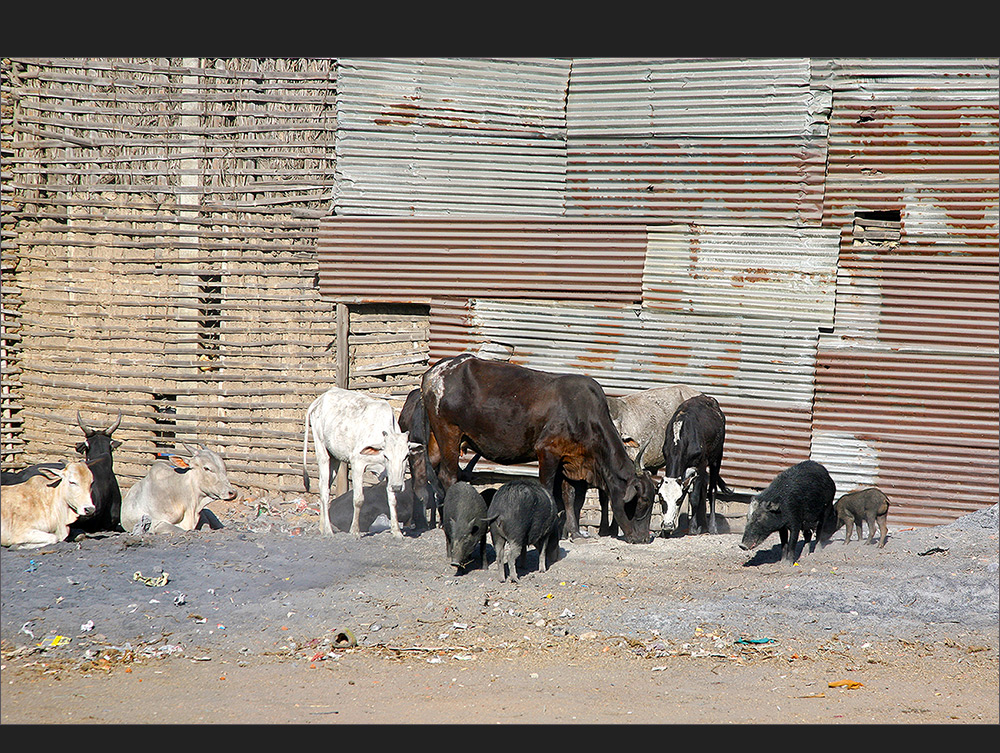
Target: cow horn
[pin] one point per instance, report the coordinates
(87, 431)
(116, 424)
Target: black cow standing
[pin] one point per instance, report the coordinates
(692, 454)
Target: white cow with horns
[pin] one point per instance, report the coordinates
(354, 428)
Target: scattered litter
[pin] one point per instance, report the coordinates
(159, 580)
(32, 567)
(381, 523)
(344, 638)
(87, 626)
(933, 550)
(51, 641)
(459, 626)
(755, 640)
(567, 613)
(180, 599)
(849, 684)
(434, 659)
(24, 629)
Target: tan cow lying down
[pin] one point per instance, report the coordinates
(173, 495)
(39, 511)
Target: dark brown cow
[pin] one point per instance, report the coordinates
(510, 414)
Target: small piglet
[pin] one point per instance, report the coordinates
(464, 521)
(869, 504)
(799, 498)
(523, 512)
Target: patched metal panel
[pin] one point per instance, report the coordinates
(736, 141)
(443, 136)
(907, 389)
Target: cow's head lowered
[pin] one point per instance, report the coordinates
(640, 492)
(393, 453)
(671, 494)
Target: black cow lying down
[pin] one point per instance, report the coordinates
(510, 414)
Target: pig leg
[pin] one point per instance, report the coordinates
(849, 529)
(871, 528)
(883, 525)
(513, 555)
(793, 540)
(858, 523)
(482, 548)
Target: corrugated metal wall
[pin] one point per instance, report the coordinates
(731, 141)
(451, 136)
(908, 380)
(749, 176)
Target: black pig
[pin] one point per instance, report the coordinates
(799, 498)
(524, 512)
(869, 504)
(465, 526)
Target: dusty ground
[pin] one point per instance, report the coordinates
(251, 626)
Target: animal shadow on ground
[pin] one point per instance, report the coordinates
(773, 555)
(527, 563)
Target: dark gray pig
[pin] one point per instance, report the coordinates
(869, 504)
(524, 512)
(375, 503)
(465, 527)
(799, 498)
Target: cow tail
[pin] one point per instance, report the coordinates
(721, 485)
(305, 451)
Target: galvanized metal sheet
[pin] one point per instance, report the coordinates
(787, 275)
(730, 98)
(434, 137)
(734, 141)
(697, 180)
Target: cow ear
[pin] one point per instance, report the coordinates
(52, 473)
(115, 444)
(370, 451)
(82, 448)
(178, 462)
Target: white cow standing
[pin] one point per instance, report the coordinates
(354, 428)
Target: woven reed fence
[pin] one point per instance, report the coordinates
(159, 223)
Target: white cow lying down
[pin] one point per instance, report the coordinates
(173, 495)
(354, 428)
(39, 511)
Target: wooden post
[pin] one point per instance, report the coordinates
(343, 377)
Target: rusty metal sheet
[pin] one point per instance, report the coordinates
(907, 384)
(424, 259)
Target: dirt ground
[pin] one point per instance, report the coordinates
(265, 622)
